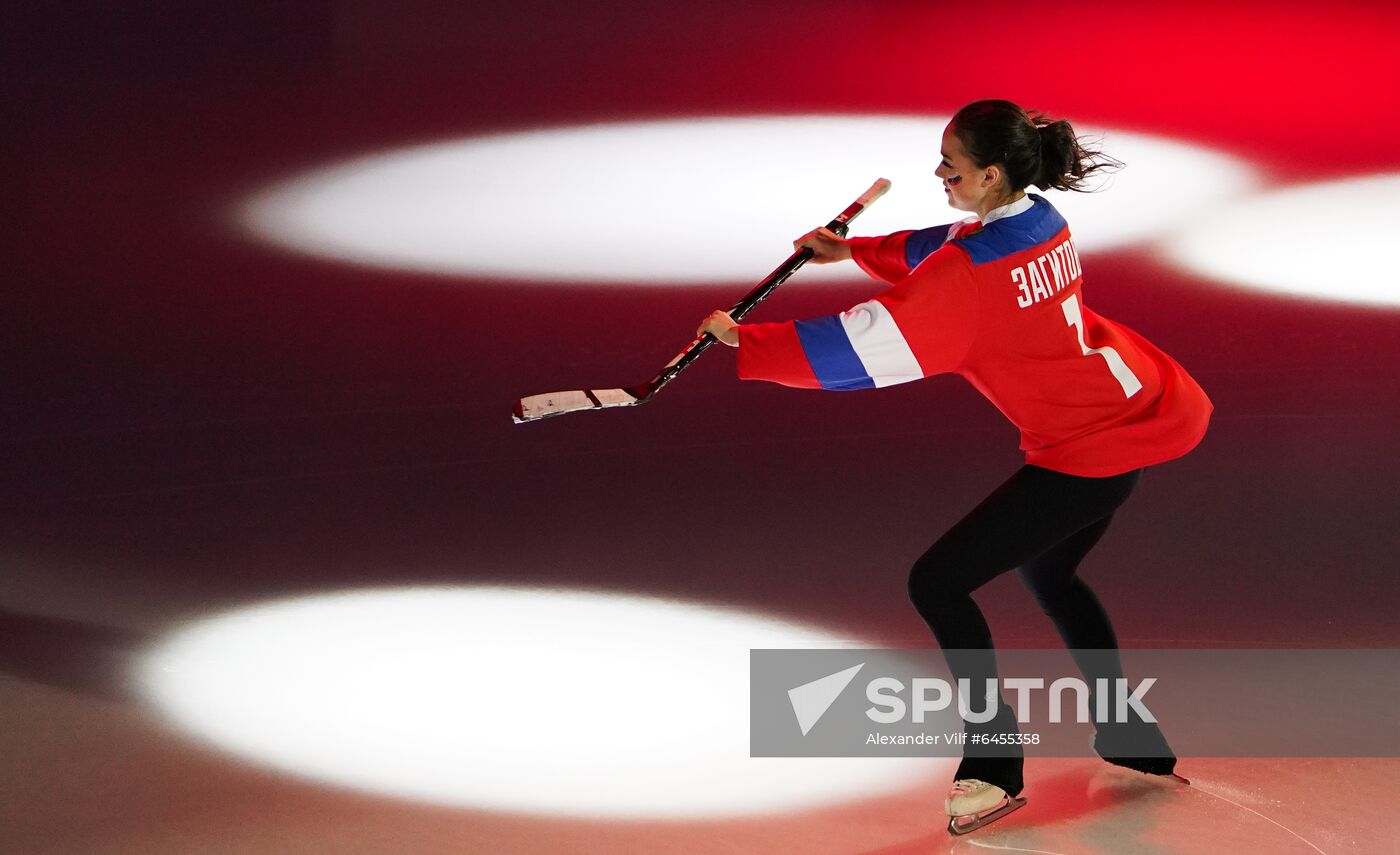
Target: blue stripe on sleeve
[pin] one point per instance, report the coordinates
(831, 355)
(921, 244)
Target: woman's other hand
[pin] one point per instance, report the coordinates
(826, 246)
(722, 327)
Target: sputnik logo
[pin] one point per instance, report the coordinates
(810, 701)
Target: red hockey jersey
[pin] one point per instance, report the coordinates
(999, 303)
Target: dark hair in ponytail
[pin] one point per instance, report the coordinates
(1030, 148)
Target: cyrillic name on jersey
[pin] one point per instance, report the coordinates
(1047, 275)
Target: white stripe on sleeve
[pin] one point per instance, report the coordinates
(880, 345)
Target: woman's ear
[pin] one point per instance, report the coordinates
(991, 176)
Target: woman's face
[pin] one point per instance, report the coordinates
(967, 187)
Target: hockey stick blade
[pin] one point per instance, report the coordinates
(544, 406)
(537, 407)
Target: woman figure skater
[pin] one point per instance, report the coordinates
(996, 298)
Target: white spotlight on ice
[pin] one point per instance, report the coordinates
(532, 700)
(1330, 241)
(665, 202)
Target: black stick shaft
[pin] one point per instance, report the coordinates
(840, 226)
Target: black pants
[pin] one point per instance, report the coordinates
(1042, 523)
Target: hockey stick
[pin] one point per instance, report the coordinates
(544, 406)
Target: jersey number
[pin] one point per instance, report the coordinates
(1121, 372)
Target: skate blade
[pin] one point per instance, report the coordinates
(959, 825)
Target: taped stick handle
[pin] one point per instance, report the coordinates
(840, 225)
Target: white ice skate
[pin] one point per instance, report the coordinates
(972, 804)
